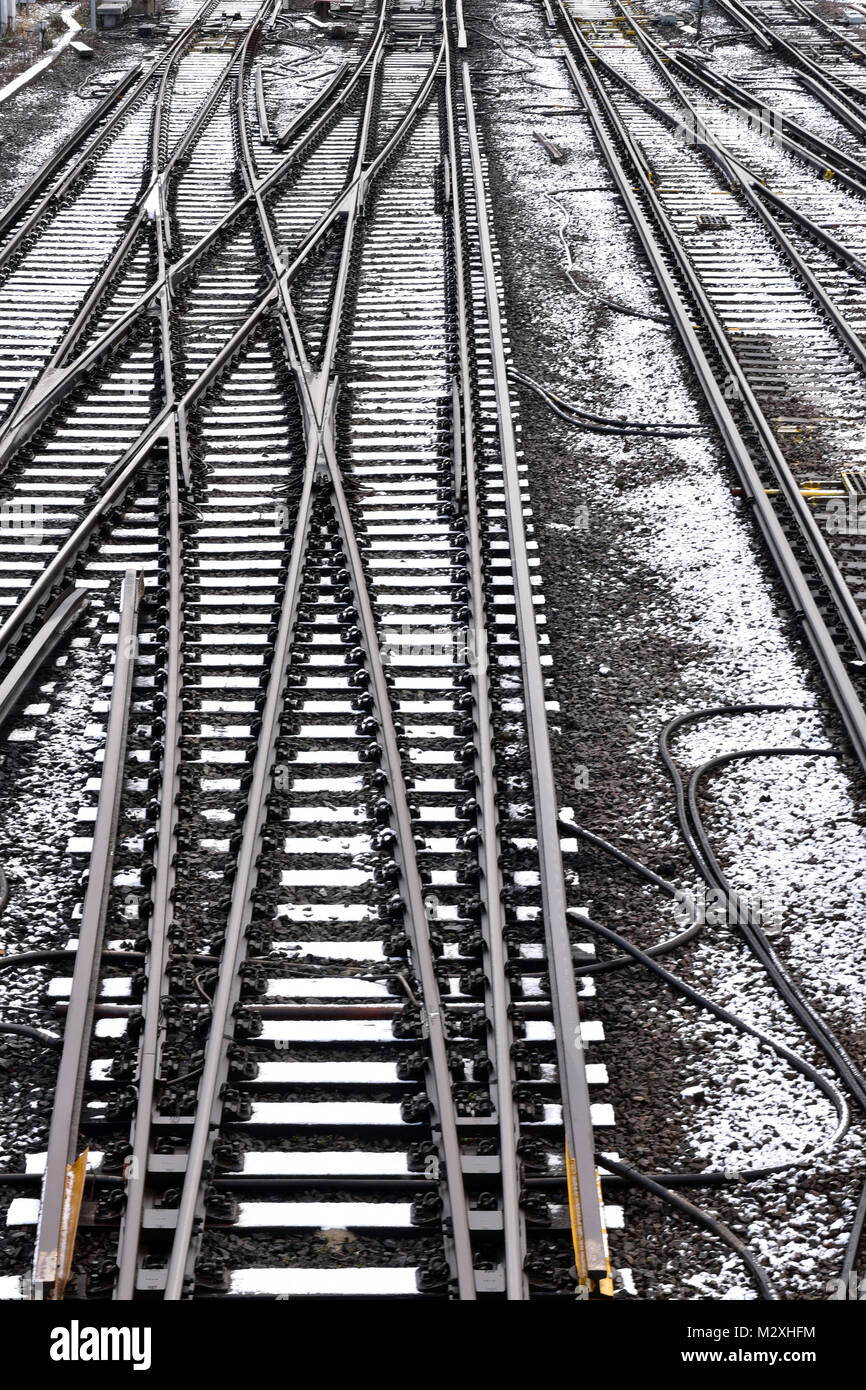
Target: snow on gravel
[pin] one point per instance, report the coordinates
(659, 602)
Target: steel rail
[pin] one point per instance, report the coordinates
(162, 887)
(797, 139)
(461, 24)
(161, 169)
(67, 182)
(248, 167)
(161, 917)
(434, 1027)
(163, 911)
(584, 1191)
(830, 98)
(262, 109)
(467, 431)
(733, 12)
(178, 1272)
(749, 184)
(831, 93)
(14, 209)
(319, 392)
(158, 133)
(846, 607)
(78, 1029)
(160, 172)
(55, 383)
(58, 620)
(839, 34)
(68, 553)
(118, 479)
(736, 173)
(799, 591)
(285, 138)
(812, 229)
(322, 389)
(790, 134)
(291, 334)
(51, 384)
(227, 991)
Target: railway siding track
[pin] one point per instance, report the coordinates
(325, 1027)
(334, 832)
(60, 241)
(828, 62)
(705, 230)
(638, 111)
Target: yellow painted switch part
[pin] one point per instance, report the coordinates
(73, 1193)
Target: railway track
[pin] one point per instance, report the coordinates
(752, 262)
(325, 1007)
(63, 231)
(827, 58)
(764, 296)
(731, 50)
(322, 1034)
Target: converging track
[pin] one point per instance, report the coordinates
(323, 1034)
(765, 298)
(311, 983)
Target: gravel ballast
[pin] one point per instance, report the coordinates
(660, 600)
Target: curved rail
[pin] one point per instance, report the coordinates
(62, 376)
(800, 592)
(843, 101)
(64, 187)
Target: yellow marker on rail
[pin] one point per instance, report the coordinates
(605, 1285)
(73, 1193)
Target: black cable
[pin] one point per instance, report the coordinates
(598, 968)
(708, 865)
(704, 857)
(679, 722)
(595, 297)
(756, 937)
(22, 958)
(661, 948)
(703, 1218)
(799, 1063)
(25, 1031)
(599, 419)
(844, 1066)
(601, 424)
